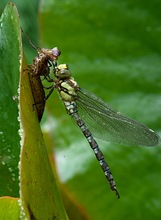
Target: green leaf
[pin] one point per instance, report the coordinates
(9, 208)
(38, 188)
(9, 80)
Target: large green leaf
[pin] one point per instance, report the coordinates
(9, 79)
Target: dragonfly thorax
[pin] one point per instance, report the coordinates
(65, 84)
(67, 89)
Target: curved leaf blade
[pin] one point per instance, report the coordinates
(9, 208)
(9, 79)
(38, 188)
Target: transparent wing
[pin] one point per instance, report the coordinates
(110, 125)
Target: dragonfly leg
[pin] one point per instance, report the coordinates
(50, 92)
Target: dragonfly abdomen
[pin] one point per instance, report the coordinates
(72, 110)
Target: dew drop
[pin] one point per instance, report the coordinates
(3, 163)
(10, 169)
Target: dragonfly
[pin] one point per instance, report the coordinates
(91, 113)
(95, 117)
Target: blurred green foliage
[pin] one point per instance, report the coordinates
(112, 48)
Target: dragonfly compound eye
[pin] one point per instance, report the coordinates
(63, 71)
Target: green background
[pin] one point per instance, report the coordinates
(113, 49)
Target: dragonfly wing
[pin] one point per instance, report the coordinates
(110, 125)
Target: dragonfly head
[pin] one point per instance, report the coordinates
(62, 71)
